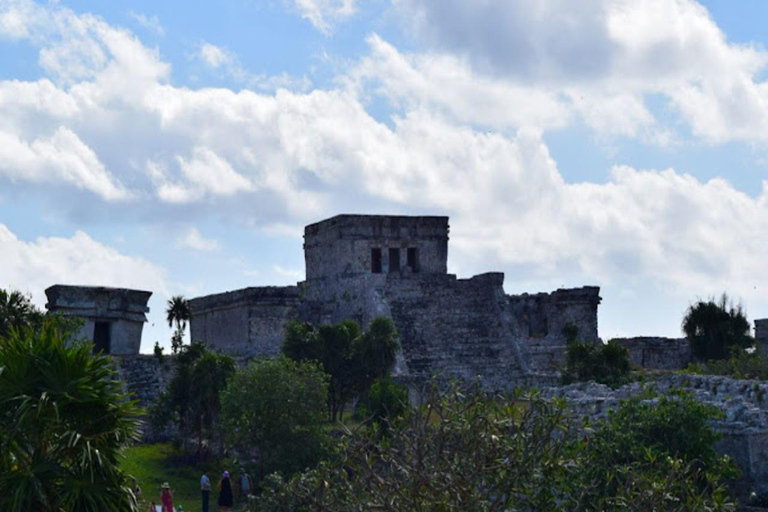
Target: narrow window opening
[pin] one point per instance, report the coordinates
(394, 260)
(376, 261)
(413, 259)
(101, 337)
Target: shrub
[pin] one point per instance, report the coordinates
(277, 409)
(716, 329)
(604, 363)
(741, 366)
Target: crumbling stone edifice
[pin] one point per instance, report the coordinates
(113, 317)
(361, 267)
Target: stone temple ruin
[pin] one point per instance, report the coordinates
(364, 266)
(114, 317)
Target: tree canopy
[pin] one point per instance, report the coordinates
(716, 328)
(352, 358)
(276, 408)
(177, 312)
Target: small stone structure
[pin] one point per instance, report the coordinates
(114, 317)
(361, 267)
(761, 335)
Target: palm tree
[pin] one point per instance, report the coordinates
(177, 312)
(63, 426)
(17, 311)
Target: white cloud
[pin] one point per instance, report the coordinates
(60, 158)
(78, 260)
(216, 56)
(622, 49)
(278, 160)
(192, 239)
(151, 23)
(323, 14)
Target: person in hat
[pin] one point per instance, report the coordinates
(166, 498)
(226, 500)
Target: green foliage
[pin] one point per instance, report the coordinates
(386, 401)
(192, 398)
(460, 452)
(276, 407)
(716, 329)
(604, 363)
(64, 422)
(655, 441)
(743, 365)
(466, 451)
(177, 312)
(17, 312)
(353, 359)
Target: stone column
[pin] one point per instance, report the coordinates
(761, 335)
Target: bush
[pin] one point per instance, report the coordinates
(655, 441)
(740, 366)
(716, 329)
(386, 401)
(604, 363)
(277, 409)
(467, 451)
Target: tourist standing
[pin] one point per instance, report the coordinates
(246, 486)
(226, 500)
(166, 498)
(205, 487)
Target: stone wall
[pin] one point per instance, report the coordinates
(657, 353)
(744, 428)
(248, 322)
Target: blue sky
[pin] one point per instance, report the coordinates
(180, 147)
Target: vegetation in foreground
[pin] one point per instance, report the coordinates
(64, 422)
(472, 452)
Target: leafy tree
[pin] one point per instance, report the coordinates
(17, 312)
(192, 399)
(276, 407)
(385, 402)
(64, 422)
(604, 363)
(352, 358)
(177, 312)
(716, 329)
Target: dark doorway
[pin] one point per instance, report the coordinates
(394, 260)
(413, 259)
(376, 261)
(101, 337)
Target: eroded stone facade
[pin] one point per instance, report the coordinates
(113, 317)
(361, 267)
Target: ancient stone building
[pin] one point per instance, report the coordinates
(113, 317)
(761, 335)
(363, 266)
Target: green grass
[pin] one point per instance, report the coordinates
(154, 464)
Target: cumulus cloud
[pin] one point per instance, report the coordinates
(61, 158)
(193, 239)
(278, 160)
(622, 48)
(33, 266)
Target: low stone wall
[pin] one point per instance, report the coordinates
(744, 429)
(657, 353)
